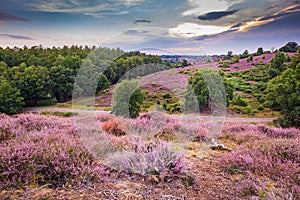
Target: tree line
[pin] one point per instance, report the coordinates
(40, 76)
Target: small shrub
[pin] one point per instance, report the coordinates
(249, 110)
(166, 134)
(160, 158)
(260, 107)
(167, 96)
(115, 127)
(239, 101)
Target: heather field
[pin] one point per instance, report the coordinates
(154, 156)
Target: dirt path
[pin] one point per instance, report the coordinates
(191, 117)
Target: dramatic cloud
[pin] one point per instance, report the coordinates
(216, 15)
(219, 23)
(195, 30)
(200, 7)
(227, 16)
(95, 8)
(142, 21)
(18, 37)
(9, 17)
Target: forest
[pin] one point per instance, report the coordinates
(40, 76)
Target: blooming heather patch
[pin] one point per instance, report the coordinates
(18, 126)
(170, 79)
(152, 123)
(268, 152)
(260, 130)
(138, 151)
(42, 151)
(150, 158)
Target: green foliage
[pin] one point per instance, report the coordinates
(61, 82)
(10, 98)
(249, 109)
(238, 100)
(127, 99)
(283, 92)
(250, 58)
(245, 54)
(278, 61)
(235, 59)
(273, 72)
(290, 47)
(206, 90)
(185, 63)
(260, 107)
(229, 54)
(33, 83)
(167, 96)
(46, 75)
(260, 51)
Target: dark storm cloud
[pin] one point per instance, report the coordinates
(216, 15)
(203, 37)
(18, 37)
(287, 13)
(237, 25)
(142, 21)
(4, 16)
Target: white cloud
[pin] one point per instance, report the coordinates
(199, 7)
(195, 30)
(89, 7)
(61, 7)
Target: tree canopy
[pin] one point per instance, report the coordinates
(127, 99)
(207, 90)
(44, 76)
(283, 93)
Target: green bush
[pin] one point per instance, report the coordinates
(239, 101)
(260, 107)
(127, 99)
(167, 96)
(249, 110)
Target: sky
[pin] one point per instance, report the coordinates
(188, 27)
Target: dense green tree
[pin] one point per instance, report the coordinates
(33, 84)
(260, 51)
(103, 82)
(272, 72)
(207, 90)
(278, 61)
(290, 47)
(245, 54)
(61, 82)
(127, 99)
(185, 63)
(283, 93)
(10, 98)
(229, 54)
